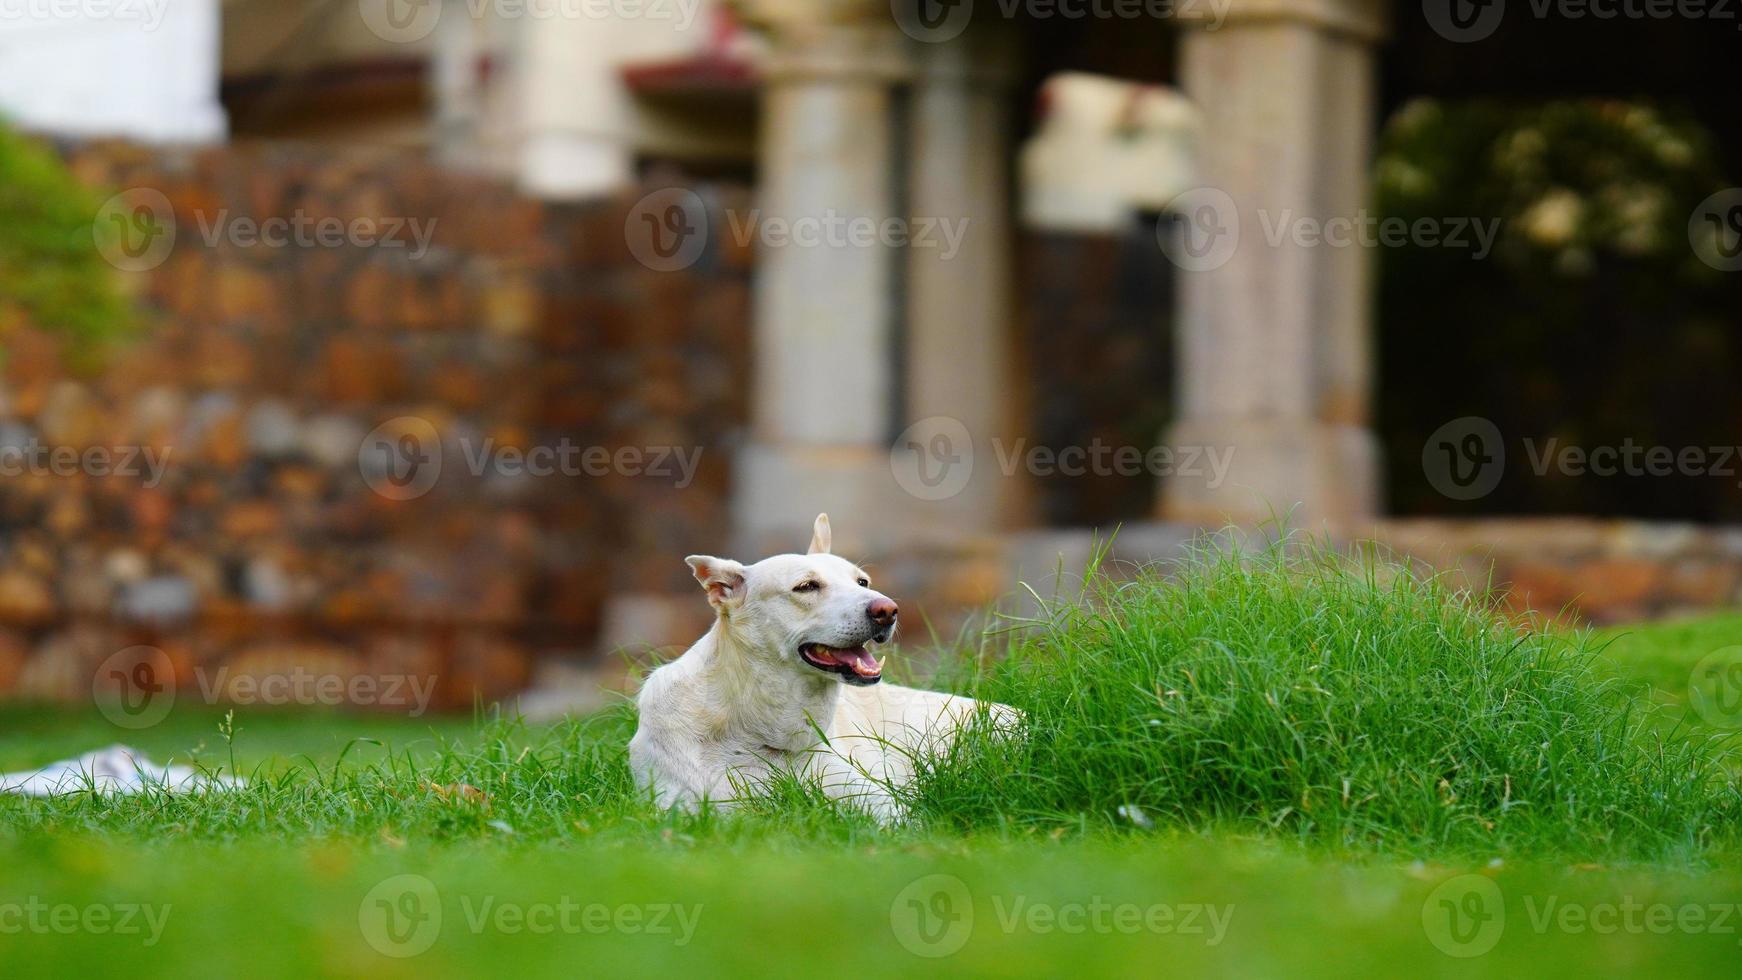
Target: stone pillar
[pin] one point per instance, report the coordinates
(1273, 338)
(456, 86)
(959, 303)
(825, 316)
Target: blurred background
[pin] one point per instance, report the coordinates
(375, 339)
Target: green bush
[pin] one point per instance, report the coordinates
(51, 274)
(1331, 700)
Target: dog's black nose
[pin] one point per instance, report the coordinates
(882, 611)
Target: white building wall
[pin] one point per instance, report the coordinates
(141, 69)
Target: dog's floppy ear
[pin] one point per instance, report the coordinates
(723, 578)
(822, 539)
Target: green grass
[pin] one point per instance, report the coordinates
(1336, 702)
(1316, 743)
(1660, 664)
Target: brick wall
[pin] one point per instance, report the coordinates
(264, 368)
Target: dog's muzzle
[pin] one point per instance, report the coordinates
(855, 665)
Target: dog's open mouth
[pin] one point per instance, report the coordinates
(855, 665)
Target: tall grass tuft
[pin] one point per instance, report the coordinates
(1338, 700)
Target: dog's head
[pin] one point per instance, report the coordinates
(811, 612)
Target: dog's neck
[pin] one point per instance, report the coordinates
(767, 703)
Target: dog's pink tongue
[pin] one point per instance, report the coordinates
(861, 661)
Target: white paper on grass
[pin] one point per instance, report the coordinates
(116, 769)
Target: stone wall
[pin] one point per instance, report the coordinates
(1589, 570)
(263, 370)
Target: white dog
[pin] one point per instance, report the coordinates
(786, 664)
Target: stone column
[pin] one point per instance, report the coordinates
(456, 86)
(1273, 338)
(824, 365)
(959, 303)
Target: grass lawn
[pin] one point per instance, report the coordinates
(1295, 810)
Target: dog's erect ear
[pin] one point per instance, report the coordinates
(723, 578)
(822, 539)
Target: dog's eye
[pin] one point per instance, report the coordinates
(864, 583)
(807, 587)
